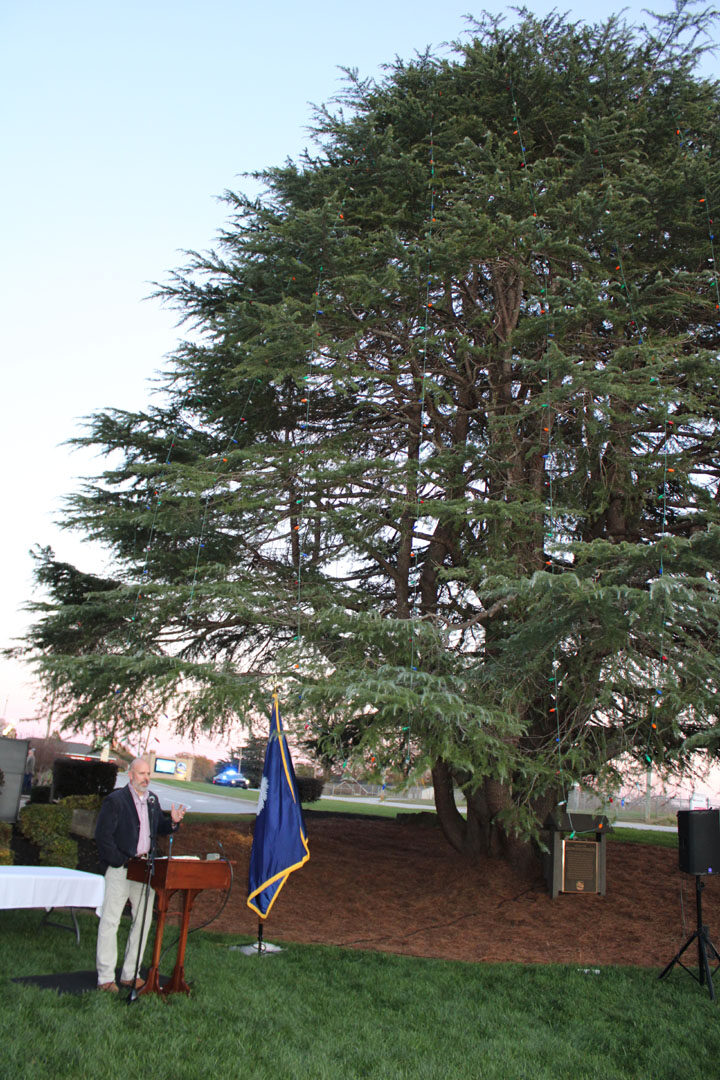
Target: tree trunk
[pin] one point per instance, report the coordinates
(479, 833)
(452, 823)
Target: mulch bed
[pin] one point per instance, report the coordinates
(376, 884)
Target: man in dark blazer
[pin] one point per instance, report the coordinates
(128, 824)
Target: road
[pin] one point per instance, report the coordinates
(197, 802)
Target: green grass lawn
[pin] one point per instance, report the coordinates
(314, 1013)
(248, 794)
(643, 836)
(619, 835)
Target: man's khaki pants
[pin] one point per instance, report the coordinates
(117, 891)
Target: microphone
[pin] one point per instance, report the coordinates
(213, 856)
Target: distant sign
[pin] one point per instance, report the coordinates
(165, 765)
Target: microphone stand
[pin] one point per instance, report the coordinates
(133, 995)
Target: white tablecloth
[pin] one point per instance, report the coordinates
(50, 887)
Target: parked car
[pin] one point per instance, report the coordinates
(231, 777)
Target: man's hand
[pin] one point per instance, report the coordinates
(177, 813)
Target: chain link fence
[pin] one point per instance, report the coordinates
(660, 809)
(353, 788)
(653, 809)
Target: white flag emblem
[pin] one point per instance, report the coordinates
(262, 795)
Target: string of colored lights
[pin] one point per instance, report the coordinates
(550, 528)
(313, 356)
(651, 750)
(299, 501)
(223, 460)
(155, 506)
(414, 572)
(551, 536)
(685, 147)
(636, 332)
(669, 436)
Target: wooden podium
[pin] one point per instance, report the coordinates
(189, 876)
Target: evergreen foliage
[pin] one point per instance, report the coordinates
(251, 758)
(440, 458)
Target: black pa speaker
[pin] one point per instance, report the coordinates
(699, 841)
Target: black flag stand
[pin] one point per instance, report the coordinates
(259, 947)
(706, 949)
(133, 995)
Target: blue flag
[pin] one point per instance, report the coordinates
(279, 841)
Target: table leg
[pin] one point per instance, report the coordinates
(46, 921)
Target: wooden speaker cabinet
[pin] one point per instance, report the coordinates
(580, 866)
(575, 859)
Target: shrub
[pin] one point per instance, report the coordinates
(73, 777)
(6, 856)
(63, 851)
(309, 788)
(48, 828)
(203, 768)
(82, 802)
(40, 822)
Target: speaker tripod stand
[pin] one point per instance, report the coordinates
(705, 947)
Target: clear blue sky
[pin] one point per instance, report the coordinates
(122, 123)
